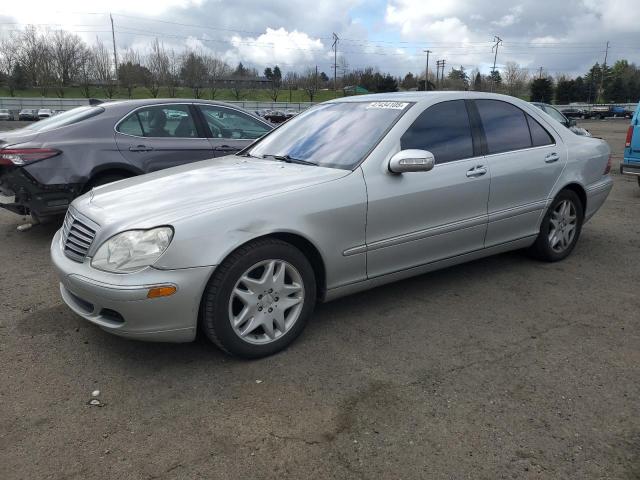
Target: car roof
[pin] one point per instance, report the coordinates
(424, 97)
(159, 101)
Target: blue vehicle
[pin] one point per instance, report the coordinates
(631, 163)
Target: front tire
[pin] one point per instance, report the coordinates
(560, 228)
(259, 299)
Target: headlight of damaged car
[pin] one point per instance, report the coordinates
(132, 250)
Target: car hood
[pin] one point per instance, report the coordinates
(168, 195)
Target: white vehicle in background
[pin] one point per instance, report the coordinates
(45, 113)
(5, 114)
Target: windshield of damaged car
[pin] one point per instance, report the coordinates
(336, 135)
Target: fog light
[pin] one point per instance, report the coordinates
(162, 291)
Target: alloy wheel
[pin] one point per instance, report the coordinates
(563, 225)
(266, 301)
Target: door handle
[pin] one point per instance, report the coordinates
(476, 171)
(140, 148)
(552, 157)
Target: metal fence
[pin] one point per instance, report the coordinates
(15, 104)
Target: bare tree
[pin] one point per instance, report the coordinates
(515, 78)
(291, 80)
(86, 72)
(35, 56)
(103, 70)
(309, 83)
(131, 73)
(173, 72)
(158, 65)
(216, 70)
(194, 72)
(9, 57)
(66, 51)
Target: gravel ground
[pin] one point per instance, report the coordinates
(500, 368)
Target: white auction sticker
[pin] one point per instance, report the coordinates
(388, 105)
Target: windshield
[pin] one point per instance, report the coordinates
(336, 135)
(67, 118)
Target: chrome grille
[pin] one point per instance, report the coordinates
(77, 236)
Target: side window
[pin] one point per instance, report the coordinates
(172, 121)
(131, 126)
(228, 123)
(539, 136)
(505, 126)
(444, 130)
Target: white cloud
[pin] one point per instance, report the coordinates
(277, 46)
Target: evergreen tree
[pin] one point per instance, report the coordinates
(541, 90)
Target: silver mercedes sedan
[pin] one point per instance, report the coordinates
(348, 195)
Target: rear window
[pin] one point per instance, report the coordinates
(67, 118)
(505, 126)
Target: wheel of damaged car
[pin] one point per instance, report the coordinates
(259, 299)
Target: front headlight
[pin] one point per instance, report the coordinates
(129, 251)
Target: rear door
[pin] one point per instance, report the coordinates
(632, 144)
(161, 136)
(525, 160)
(230, 130)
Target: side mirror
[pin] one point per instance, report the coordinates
(411, 161)
(572, 122)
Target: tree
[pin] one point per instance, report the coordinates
(102, 68)
(277, 74)
(216, 70)
(409, 82)
(515, 78)
(131, 73)
(495, 78)
(541, 90)
(86, 72)
(66, 50)
(386, 83)
(309, 83)
(268, 73)
(18, 79)
(194, 72)
(459, 78)
(564, 90)
(477, 82)
(173, 72)
(158, 66)
(9, 60)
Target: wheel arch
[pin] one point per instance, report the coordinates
(578, 190)
(112, 169)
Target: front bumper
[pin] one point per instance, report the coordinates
(32, 197)
(628, 168)
(118, 303)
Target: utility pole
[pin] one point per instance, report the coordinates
(498, 41)
(115, 55)
(426, 72)
(604, 67)
(335, 64)
(540, 75)
(440, 76)
(316, 79)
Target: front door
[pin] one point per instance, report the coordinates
(421, 217)
(161, 136)
(525, 161)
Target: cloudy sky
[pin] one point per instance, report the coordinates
(563, 36)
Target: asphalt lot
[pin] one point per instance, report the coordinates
(501, 368)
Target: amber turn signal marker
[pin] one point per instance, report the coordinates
(163, 291)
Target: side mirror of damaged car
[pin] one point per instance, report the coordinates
(411, 161)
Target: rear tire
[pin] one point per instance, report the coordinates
(560, 228)
(259, 299)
